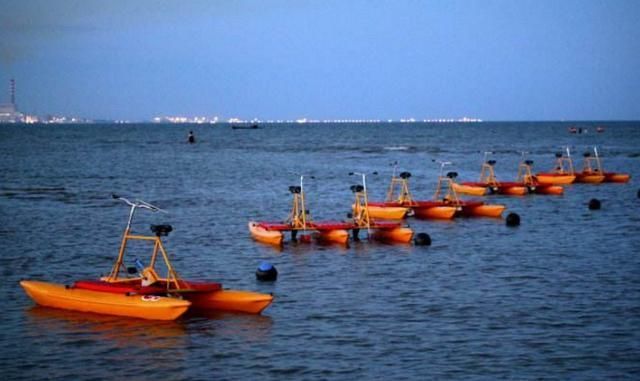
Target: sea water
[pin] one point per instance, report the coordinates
(556, 298)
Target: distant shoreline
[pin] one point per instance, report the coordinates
(315, 123)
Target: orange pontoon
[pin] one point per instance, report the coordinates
(384, 211)
(120, 304)
(562, 174)
(471, 190)
(611, 177)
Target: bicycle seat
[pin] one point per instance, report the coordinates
(161, 230)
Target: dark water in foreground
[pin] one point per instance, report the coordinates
(556, 298)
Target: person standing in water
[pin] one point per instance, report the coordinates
(191, 138)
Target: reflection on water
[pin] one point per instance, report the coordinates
(238, 326)
(124, 332)
(127, 332)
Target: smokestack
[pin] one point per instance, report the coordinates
(12, 91)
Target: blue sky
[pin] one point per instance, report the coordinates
(495, 60)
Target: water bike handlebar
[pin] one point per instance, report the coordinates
(135, 205)
(138, 204)
(442, 165)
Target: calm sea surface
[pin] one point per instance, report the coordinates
(556, 298)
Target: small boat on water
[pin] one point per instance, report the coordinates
(446, 194)
(382, 210)
(245, 126)
(578, 130)
(139, 291)
(490, 183)
(399, 195)
(526, 177)
(593, 171)
(299, 221)
(562, 174)
(386, 231)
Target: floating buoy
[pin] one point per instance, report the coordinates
(638, 193)
(594, 204)
(513, 219)
(266, 272)
(422, 239)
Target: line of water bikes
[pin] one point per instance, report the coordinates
(380, 218)
(141, 291)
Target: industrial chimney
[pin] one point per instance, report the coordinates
(12, 91)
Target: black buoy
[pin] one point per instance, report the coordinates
(422, 239)
(513, 219)
(266, 272)
(191, 138)
(638, 193)
(594, 204)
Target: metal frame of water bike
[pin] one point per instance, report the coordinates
(451, 196)
(404, 195)
(587, 166)
(361, 210)
(148, 274)
(487, 173)
(298, 218)
(561, 161)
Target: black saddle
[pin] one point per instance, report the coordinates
(559, 155)
(491, 162)
(161, 230)
(357, 188)
(295, 189)
(528, 162)
(587, 154)
(405, 175)
(452, 175)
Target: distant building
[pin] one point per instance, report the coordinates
(8, 111)
(9, 114)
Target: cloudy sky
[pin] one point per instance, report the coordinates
(493, 59)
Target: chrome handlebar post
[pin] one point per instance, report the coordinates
(136, 204)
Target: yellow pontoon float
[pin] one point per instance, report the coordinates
(562, 174)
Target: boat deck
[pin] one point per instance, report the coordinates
(135, 286)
